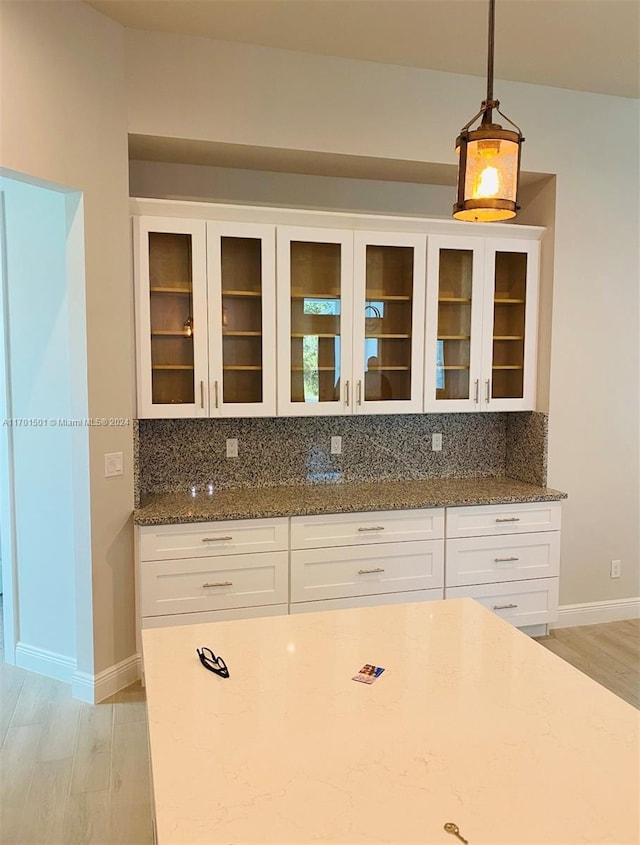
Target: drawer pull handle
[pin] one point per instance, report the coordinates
(220, 584)
(215, 539)
(508, 519)
(370, 571)
(372, 528)
(505, 559)
(504, 606)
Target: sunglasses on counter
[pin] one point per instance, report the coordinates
(212, 663)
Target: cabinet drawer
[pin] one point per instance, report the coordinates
(367, 601)
(355, 529)
(215, 616)
(488, 560)
(213, 583)
(366, 570)
(208, 539)
(488, 520)
(521, 603)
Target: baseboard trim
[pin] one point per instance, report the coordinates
(95, 688)
(44, 662)
(593, 613)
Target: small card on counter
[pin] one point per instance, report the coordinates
(368, 674)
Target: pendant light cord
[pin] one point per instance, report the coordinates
(492, 16)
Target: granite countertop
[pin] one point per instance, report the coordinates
(305, 500)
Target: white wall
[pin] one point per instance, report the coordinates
(64, 119)
(259, 187)
(183, 87)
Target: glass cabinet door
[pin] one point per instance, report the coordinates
(389, 289)
(314, 321)
(171, 318)
(241, 269)
(510, 317)
(454, 311)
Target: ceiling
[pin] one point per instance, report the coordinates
(585, 45)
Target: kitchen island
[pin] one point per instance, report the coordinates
(471, 722)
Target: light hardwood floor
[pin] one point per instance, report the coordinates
(74, 773)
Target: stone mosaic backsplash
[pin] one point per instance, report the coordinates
(173, 455)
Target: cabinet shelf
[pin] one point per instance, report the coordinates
(256, 294)
(172, 290)
(171, 333)
(453, 367)
(172, 367)
(241, 334)
(387, 336)
(314, 334)
(508, 301)
(507, 367)
(372, 296)
(454, 299)
(313, 295)
(241, 368)
(454, 337)
(313, 369)
(404, 369)
(508, 337)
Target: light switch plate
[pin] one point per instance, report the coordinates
(113, 464)
(336, 445)
(232, 447)
(436, 442)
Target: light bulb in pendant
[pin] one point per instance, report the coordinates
(187, 327)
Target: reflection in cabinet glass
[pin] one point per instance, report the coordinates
(510, 295)
(388, 323)
(453, 356)
(241, 271)
(315, 321)
(171, 311)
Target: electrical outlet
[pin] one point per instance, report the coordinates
(436, 442)
(616, 566)
(336, 445)
(232, 447)
(113, 464)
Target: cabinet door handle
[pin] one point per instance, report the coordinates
(476, 395)
(508, 519)
(215, 393)
(372, 528)
(346, 393)
(220, 584)
(215, 539)
(370, 571)
(359, 393)
(488, 386)
(504, 606)
(505, 559)
(202, 394)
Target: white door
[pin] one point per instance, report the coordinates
(455, 269)
(171, 317)
(510, 325)
(242, 319)
(315, 285)
(388, 322)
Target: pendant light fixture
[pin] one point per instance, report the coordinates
(489, 165)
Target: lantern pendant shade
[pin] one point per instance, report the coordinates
(488, 174)
(489, 158)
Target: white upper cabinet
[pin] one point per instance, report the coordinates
(171, 317)
(205, 318)
(242, 319)
(241, 314)
(315, 295)
(481, 324)
(388, 322)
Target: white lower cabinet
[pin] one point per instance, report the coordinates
(507, 557)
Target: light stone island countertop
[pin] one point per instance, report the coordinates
(306, 500)
(472, 722)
